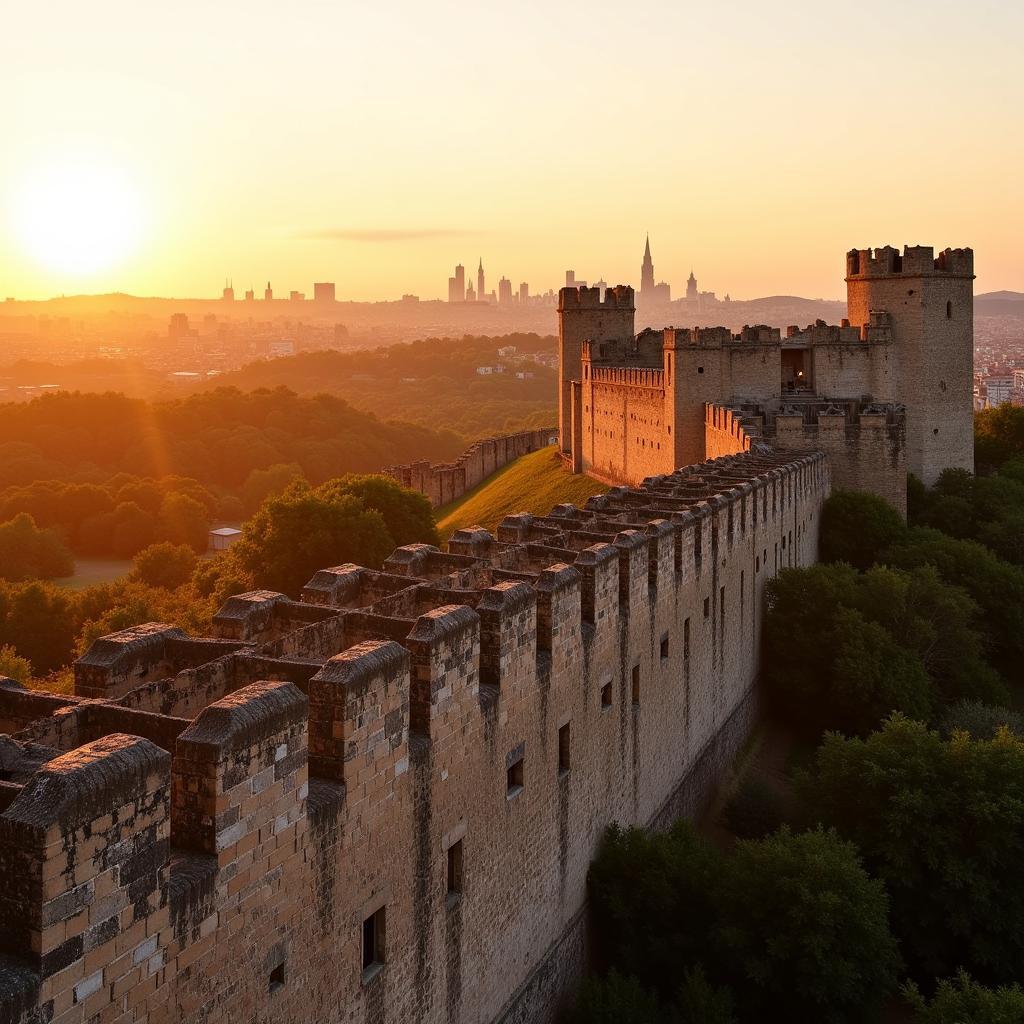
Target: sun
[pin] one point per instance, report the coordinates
(78, 215)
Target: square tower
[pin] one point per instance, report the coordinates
(930, 302)
(584, 315)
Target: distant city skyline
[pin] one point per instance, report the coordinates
(808, 130)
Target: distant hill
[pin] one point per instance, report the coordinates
(1002, 303)
(533, 483)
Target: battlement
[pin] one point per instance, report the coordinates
(620, 297)
(445, 482)
(219, 835)
(914, 261)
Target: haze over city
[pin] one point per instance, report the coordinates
(377, 146)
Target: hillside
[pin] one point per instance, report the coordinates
(417, 381)
(533, 483)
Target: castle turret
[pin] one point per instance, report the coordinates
(930, 302)
(584, 315)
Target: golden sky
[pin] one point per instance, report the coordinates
(156, 149)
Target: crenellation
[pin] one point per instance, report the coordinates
(320, 770)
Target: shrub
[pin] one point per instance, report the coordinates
(982, 721)
(13, 666)
(617, 1000)
(963, 1001)
(165, 565)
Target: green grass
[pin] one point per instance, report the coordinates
(533, 483)
(89, 571)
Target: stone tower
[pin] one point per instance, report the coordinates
(583, 315)
(930, 305)
(647, 271)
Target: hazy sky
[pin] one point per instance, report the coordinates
(377, 144)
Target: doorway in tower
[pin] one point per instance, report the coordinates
(796, 370)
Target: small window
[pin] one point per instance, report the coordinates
(686, 638)
(606, 696)
(707, 607)
(636, 679)
(949, 310)
(700, 369)
(514, 778)
(564, 752)
(455, 869)
(373, 943)
(664, 647)
(277, 979)
(757, 564)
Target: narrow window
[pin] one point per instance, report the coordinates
(686, 638)
(277, 978)
(606, 696)
(707, 607)
(664, 647)
(949, 310)
(636, 681)
(721, 606)
(757, 564)
(455, 869)
(373, 942)
(563, 749)
(514, 778)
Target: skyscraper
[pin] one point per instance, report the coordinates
(647, 271)
(524, 293)
(457, 285)
(268, 293)
(691, 286)
(505, 292)
(323, 291)
(228, 295)
(480, 293)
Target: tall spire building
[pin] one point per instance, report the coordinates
(647, 272)
(480, 293)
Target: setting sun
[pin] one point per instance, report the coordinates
(78, 216)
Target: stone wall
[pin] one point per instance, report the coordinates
(387, 814)
(446, 482)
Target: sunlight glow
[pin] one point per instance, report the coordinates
(78, 215)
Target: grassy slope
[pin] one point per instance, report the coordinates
(534, 483)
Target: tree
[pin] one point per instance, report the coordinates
(617, 1000)
(856, 527)
(997, 588)
(651, 902)
(40, 621)
(183, 520)
(942, 823)
(13, 666)
(266, 483)
(407, 513)
(963, 1001)
(982, 721)
(998, 435)
(806, 929)
(829, 667)
(165, 565)
(301, 531)
(27, 552)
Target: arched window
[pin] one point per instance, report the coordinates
(949, 310)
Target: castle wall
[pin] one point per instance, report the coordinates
(626, 438)
(724, 433)
(444, 483)
(229, 878)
